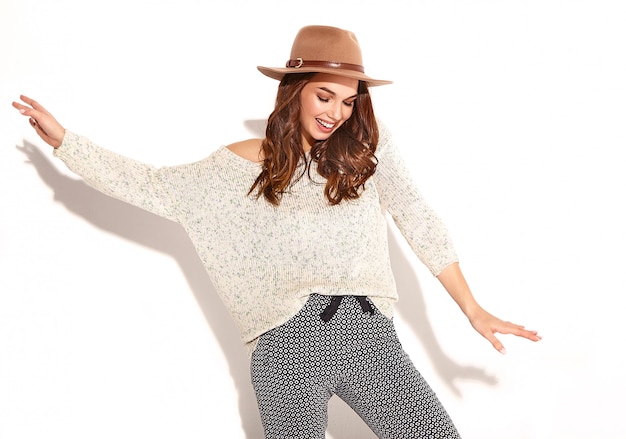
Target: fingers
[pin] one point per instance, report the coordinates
(497, 345)
(32, 113)
(518, 330)
(32, 109)
(26, 110)
(23, 108)
(33, 103)
(489, 333)
(38, 129)
(28, 100)
(530, 335)
(510, 328)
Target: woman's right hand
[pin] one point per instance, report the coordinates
(43, 122)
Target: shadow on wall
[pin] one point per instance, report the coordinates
(413, 312)
(169, 238)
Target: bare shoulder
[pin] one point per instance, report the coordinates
(248, 149)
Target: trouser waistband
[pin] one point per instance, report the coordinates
(332, 308)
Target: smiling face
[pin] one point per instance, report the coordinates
(326, 102)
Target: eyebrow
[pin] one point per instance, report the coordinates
(335, 94)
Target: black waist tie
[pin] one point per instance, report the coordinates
(332, 308)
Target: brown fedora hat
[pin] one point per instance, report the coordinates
(324, 49)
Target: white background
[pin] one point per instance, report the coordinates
(510, 113)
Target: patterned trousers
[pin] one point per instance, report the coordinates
(336, 347)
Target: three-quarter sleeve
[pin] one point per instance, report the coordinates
(416, 220)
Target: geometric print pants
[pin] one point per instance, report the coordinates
(298, 366)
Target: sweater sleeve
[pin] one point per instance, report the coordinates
(416, 220)
(115, 175)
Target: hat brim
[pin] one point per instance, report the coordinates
(278, 74)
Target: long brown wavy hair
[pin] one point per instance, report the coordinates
(346, 159)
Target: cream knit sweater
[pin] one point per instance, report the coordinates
(264, 260)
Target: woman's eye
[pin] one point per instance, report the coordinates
(323, 99)
(349, 104)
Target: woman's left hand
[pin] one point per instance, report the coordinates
(488, 325)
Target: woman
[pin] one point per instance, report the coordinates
(292, 231)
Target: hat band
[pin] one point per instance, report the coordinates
(299, 62)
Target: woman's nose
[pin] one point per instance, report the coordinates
(334, 111)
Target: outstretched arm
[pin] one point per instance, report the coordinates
(42, 121)
(486, 324)
(113, 174)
